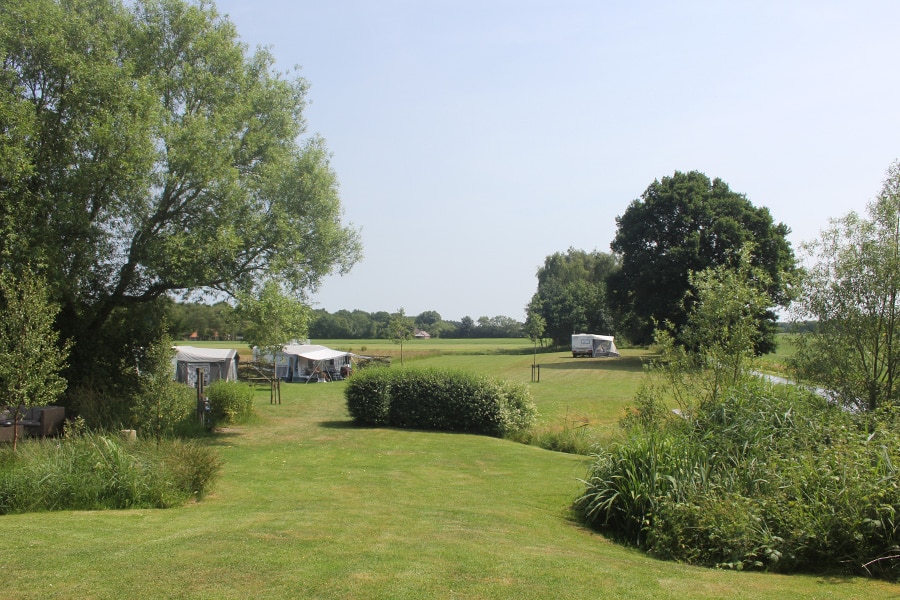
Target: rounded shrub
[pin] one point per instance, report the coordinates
(435, 399)
(367, 394)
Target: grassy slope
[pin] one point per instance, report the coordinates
(312, 507)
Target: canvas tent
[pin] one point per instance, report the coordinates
(213, 363)
(309, 362)
(588, 344)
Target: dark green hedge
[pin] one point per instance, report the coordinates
(442, 400)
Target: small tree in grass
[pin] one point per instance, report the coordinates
(274, 319)
(31, 356)
(535, 324)
(163, 402)
(401, 329)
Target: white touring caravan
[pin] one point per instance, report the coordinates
(594, 346)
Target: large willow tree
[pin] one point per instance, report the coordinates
(852, 290)
(145, 151)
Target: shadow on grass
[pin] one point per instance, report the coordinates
(348, 424)
(624, 363)
(220, 437)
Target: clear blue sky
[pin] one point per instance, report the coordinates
(473, 138)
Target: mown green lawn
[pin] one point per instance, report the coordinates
(310, 506)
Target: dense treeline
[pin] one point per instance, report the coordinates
(220, 321)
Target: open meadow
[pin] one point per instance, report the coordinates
(311, 506)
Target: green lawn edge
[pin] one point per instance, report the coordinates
(311, 506)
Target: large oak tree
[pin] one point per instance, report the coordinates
(145, 151)
(688, 223)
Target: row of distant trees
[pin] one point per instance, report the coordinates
(223, 321)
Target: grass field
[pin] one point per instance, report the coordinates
(310, 506)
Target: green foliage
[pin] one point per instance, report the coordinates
(767, 477)
(535, 325)
(439, 400)
(571, 295)
(852, 290)
(162, 404)
(96, 472)
(272, 318)
(686, 223)
(230, 401)
(31, 356)
(368, 395)
(216, 321)
(146, 153)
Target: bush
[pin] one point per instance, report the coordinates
(439, 400)
(162, 407)
(95, 472)
(368, 396)
(769, 477)
(230, 401)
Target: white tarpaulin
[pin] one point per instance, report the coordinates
(213, 363)
(309, 362)
(313, 352)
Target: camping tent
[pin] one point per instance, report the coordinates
(313, 362)
(214, 363)
(308, 362)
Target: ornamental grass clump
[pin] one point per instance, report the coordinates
(96, 472)
(444, 400)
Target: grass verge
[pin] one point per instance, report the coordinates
(310, 506)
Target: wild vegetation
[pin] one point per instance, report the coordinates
(148, 155)
(100, 472)
(747, 474)
(309, 504)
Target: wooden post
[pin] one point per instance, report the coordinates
(274, 379)
(201, 412)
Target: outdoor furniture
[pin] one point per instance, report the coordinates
(43, 421)
(6, 431)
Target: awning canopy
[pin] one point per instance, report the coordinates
(313, 352)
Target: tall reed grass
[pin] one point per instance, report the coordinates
(768, 477)
(95, 472)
